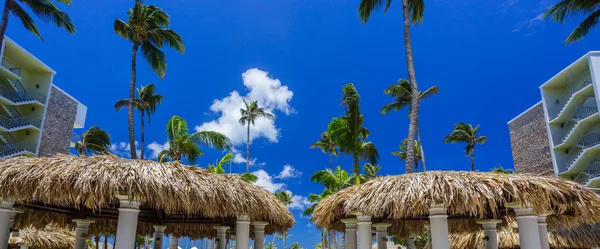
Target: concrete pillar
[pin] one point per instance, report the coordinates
(529, 235)
(350, 233)
(490, 231)
(81, 232)
(221, 236)
(173, 242)
(6, 214)
(242, 232)
(364, 231)
(543, 230)
(127, 222)
(381, 233)
(259, 233)
(438, 220)
(159, 234)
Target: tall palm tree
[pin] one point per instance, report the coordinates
(146, 103)
(283, 237)
(350, 135)
(466, 133)
(295, 245)
(568, 8)
(185, 145)
(332, 180)
(93, 141)
(43, 9)
(402, 94)
(146, 27)
(327, 145)
(412, 12)
(250, 112)
(402, 153)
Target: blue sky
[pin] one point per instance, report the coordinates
(487, 57)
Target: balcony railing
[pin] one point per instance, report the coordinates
(587, 109)
(19, 97)
(588, 140)
(592, 170)
(11, 66)
(14, 148)
(574, 86)
(10, 123)
(6, 138)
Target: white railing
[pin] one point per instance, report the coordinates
(13, 148)
(590, 139)
(592, 170)
(574, 86)
(11, 66)
(587, 109)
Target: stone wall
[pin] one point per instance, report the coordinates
(58, 124)
(529, 142)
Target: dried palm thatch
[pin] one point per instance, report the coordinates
(50, 237)
(90, 184)
(466, 195)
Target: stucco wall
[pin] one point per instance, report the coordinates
(529, 142)
(58, 125)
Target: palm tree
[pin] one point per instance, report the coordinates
(412, 11)
(569, 8)
(250, 112)
(284, 196)
(371, 171)
(93, 141)
(147, 27)
(218, 168)
(43, 9)
(327, 145)
(283, 237)
(402, 153)
(332, 180)
(315, 199)
(350, 135)
(271, 245)
(185, 145)
(402, 94)
(465, 133)
(295, 245)
(146, 103)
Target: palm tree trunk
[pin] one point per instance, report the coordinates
(284, 239)
(105, 241)
(473, 159)
(97, 240)
(342, 240)
(414, 114)
(410, 242)
(4, 23)
(248, 150)
(131, 97)
(356, 170)
(421, 147)
(142, 137)
(330, 161)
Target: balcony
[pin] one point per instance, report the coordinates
(21, 97)
(18, 148)
(591, 171)
(19, 123)
(587, 109)
(9, 69)
(575, 86)
(587, 141)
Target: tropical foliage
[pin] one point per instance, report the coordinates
(147, 28)
(327, 145)
(185, 145)
(332, 180)
(569, 8)
(402, 153)
(284, 196)
(93, 141)
(466, 133)
(250, 112)
(146, 103)
(499, 169)
(295, 245)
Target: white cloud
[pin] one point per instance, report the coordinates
(288, 172)
(155, 148)
(266, 181)
(269, 93)
(530, 23)
(122, 149)
(299, 202)
(239, 158)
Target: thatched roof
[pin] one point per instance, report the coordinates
(64, 187)
(467, 195)
(50, 237)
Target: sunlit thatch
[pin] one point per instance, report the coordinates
(93, 182)
(50, 237)
(465, 194)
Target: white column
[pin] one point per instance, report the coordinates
(127, 223)
(259, 234)
(242, 232)
(173, 242)
(350, 233)
(81, 232)
(364, 231)
(381, 231)
(221, 236)
(490, 231)
(529, 235)
(6, 214)
(543, 230)
(159, 235)
(438, 220)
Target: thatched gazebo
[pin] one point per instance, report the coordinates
(50, 237)
(457, 201)
(107, 194)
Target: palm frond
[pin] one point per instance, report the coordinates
(49, 13)
(27, 21)
(122, 29)
(163, 36)
(584, 27)
(156, 58)
(213, 139)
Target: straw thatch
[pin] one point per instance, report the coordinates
(50, 237)
(467, 195)
(169, 192)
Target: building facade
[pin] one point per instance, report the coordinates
(571, 123)
(36, 117)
